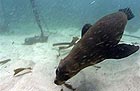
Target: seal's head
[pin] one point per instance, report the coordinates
(66, 70)
(61, 76)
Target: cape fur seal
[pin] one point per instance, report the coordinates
(98, 42)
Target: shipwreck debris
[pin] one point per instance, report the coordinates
(36, 39)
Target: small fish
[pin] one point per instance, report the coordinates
(99, 41)
(92, 2)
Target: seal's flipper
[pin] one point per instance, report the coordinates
(121, 51)
(85, 29)
(128, 12)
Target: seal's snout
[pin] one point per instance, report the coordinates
(57, 82)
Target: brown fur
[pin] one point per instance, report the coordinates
(91, 48)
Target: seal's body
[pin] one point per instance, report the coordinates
(98, 42)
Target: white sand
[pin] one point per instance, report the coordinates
(114, 75)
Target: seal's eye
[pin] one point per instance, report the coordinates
(66, 77)
(57, 71)
(60, 72)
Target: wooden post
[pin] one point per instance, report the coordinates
(36, 15)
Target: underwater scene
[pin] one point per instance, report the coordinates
(69, 45)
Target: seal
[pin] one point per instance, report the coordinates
(99, 41)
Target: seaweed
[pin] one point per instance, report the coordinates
(5, 61)
(65, 43)
(36, 39)
(18, 70)
(70, 44)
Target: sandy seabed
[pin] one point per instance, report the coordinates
(114, 75)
